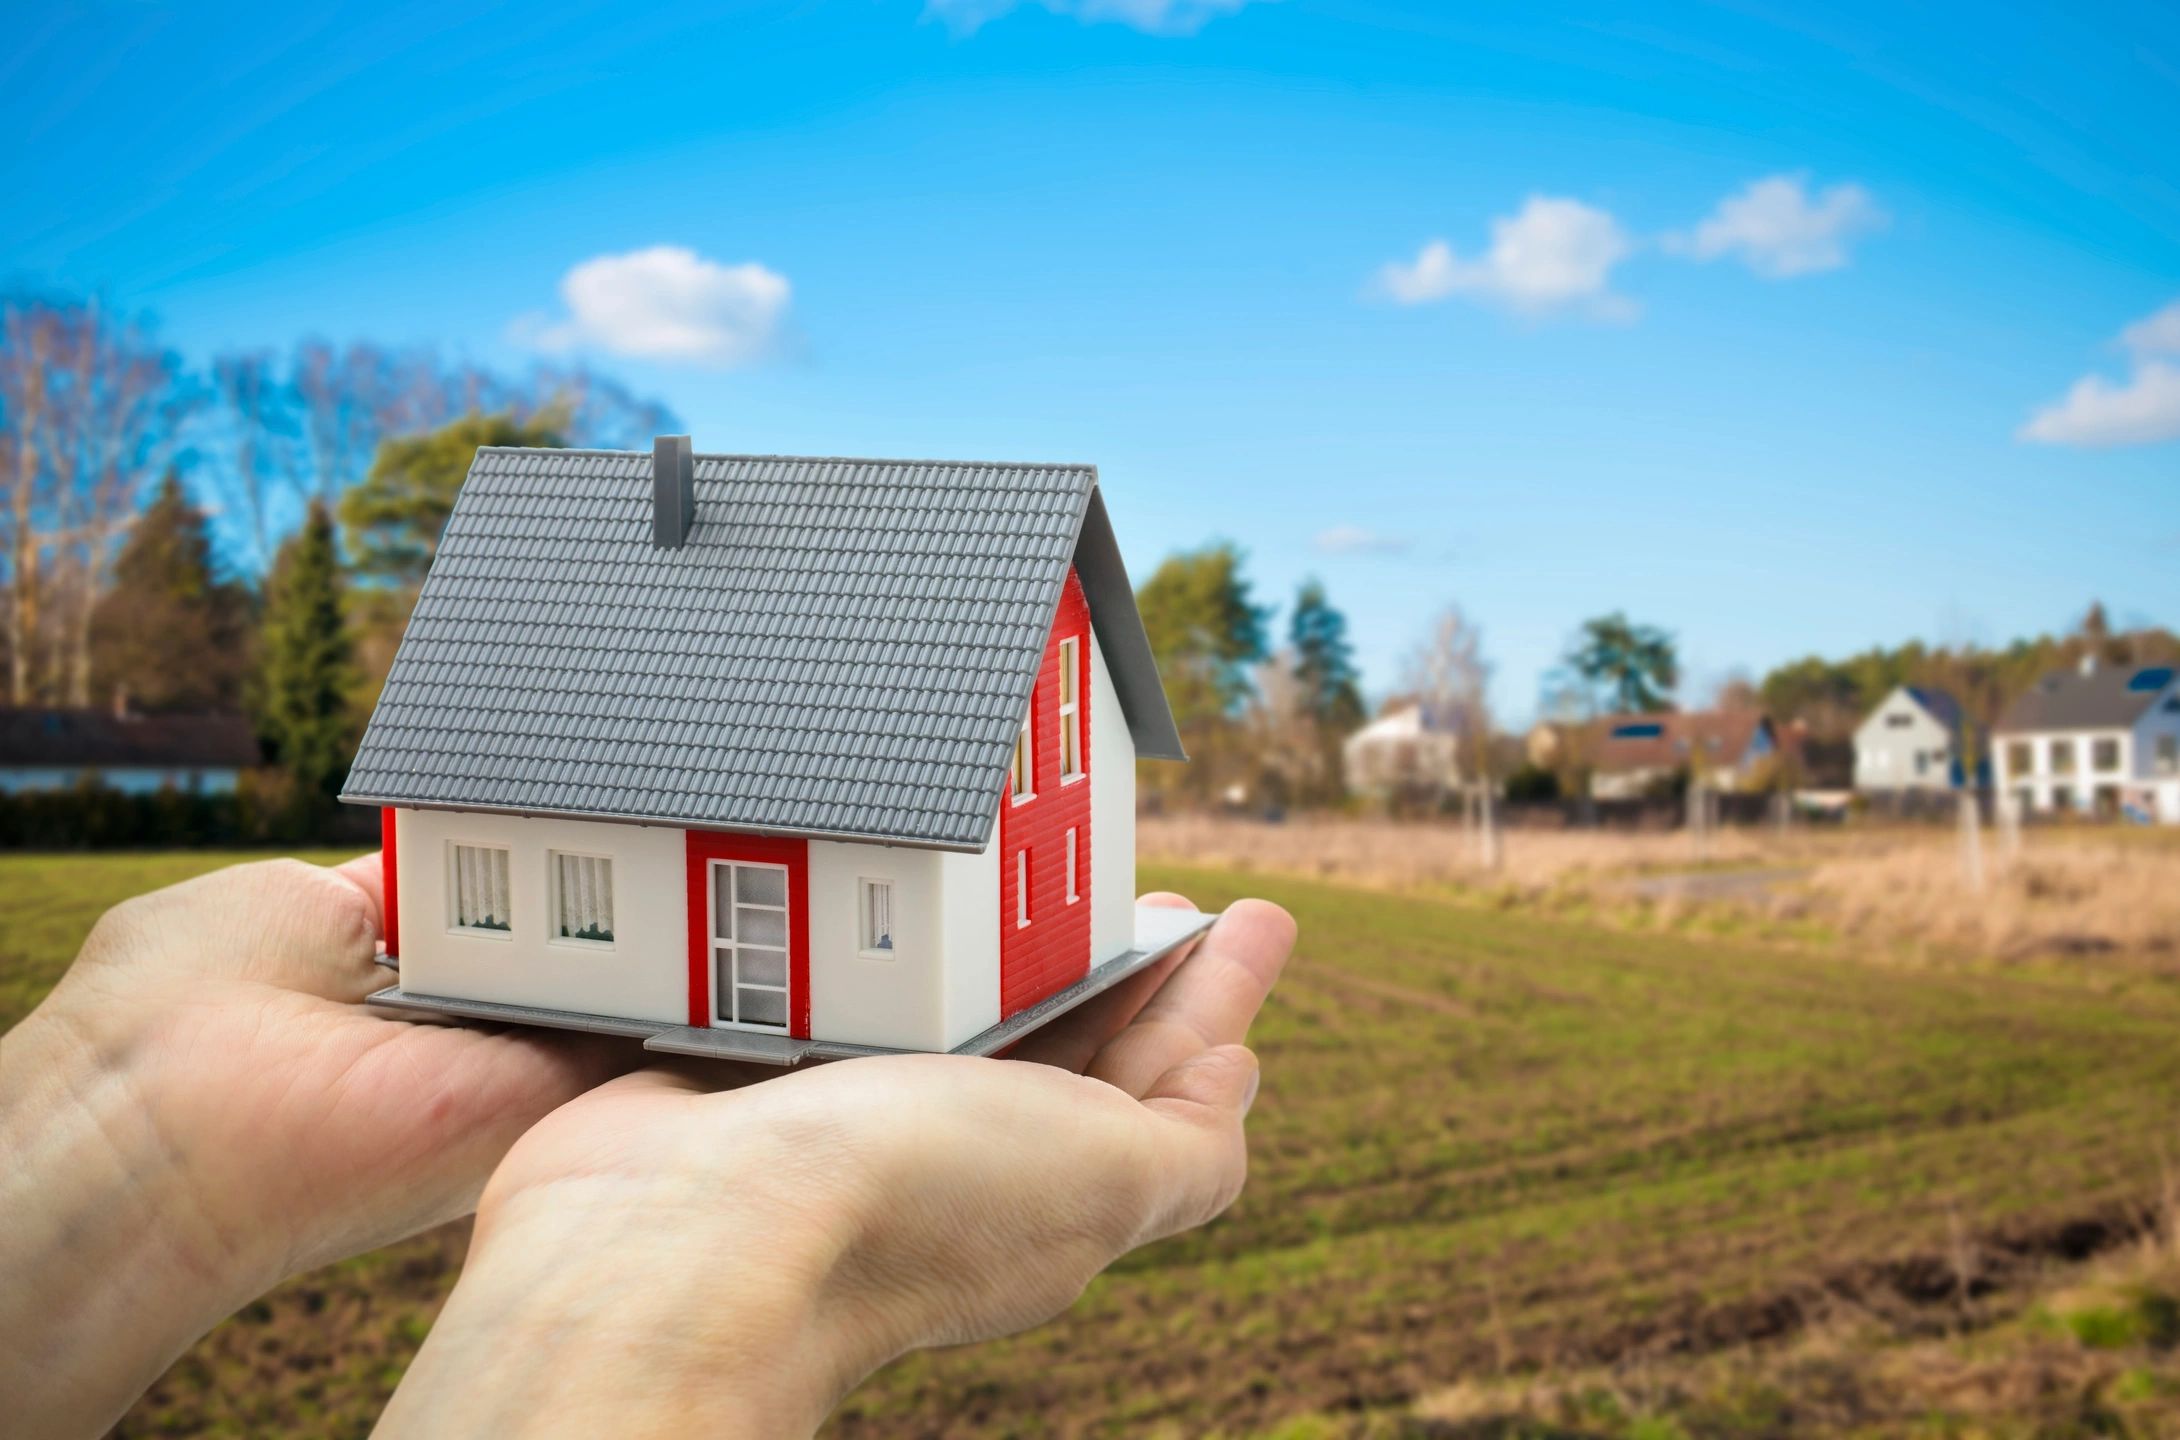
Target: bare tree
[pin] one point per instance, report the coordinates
(94, 407)
(27, 341)
(1283, 731)
(1449, 677)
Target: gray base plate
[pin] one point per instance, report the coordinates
(1158, 932)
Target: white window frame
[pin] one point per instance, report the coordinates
(1071, 767)
(552, 899)
(1073, 891)
(1021, 888)
(1024, 772)
(715, 943)
(867, 887)
(455, 926)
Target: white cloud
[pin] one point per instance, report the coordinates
(2157, 334)
(1777, 228)
(1152, 17)
(666, 303)
(2140, 410)
(1356, 540)
(1553, 254)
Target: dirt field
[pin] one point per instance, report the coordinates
(1515, 1171)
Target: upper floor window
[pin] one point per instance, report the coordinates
(2168, 754)
(479, 891)
(1070, 710)
(582, 897)
(2104, 755)
(2062, 757)
(1898, 721)
(2017, 758)
(1025, 766)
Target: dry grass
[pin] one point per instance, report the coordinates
(2067, 892)
(2057, 897)
(1404, 855)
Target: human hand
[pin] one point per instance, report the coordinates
(665, 1255)
(202, 1107)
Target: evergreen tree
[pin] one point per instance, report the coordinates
(1625, 666)
(172, 633)
(1206, 633)
(393, 518)
(306, 675)
(1324, 661)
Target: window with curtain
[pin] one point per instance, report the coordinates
(878, 917)
(582, 898)
(480, 889)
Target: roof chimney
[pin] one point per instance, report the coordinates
(673, 491)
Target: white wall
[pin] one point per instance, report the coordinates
(969, 929)
(644, 976)
(898, 1001)
(1885, 752)
(2156, 722)
(1112, 818)
(2043, 780)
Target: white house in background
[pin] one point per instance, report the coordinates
(1402, 749)
(767, 758)
(1911, 741)
(2099, 739)
(44, 749)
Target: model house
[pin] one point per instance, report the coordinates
(2099, 739)
(1911, 741)
(1637, 755)
(768, 757)
(46, 749)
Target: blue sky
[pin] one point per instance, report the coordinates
(1789, 333)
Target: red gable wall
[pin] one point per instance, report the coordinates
(1053, 952)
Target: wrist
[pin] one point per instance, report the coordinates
(578, 1312)
(114, 1264)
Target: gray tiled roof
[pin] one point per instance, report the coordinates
(842, 647)
(2107, 697)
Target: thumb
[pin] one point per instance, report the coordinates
(1198, 1107)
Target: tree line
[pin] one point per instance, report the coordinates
(247, 535)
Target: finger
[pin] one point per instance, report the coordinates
(1071, 1041)
(1198, 1107)
(368, 874)
(279, 922)
(1208, 1001)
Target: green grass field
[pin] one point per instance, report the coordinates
(1488, 1144)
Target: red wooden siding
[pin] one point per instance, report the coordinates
(1053, 952)
(389, 881)
(706, 846)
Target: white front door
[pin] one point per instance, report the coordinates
(749, 945)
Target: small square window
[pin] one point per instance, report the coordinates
(479, 891)
(877, 917)
(582, 897)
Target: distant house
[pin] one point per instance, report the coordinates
(1637, 755)
(139, 754)
(1911, 741)
(1405, 748)
(2098, 739)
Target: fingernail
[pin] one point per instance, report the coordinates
(1256, 1078)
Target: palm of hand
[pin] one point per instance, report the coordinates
(307, 1128)
(944, 1199)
